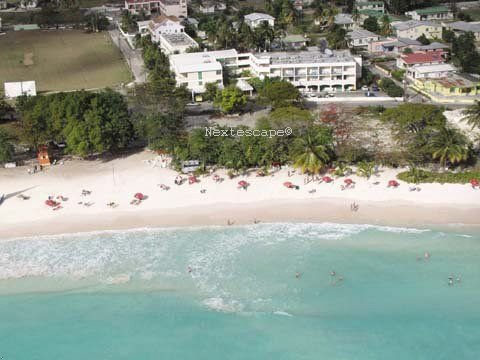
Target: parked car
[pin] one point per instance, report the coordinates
(330, 95)
(364, 88)
(375, 88)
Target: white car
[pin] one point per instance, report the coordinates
(364, 88)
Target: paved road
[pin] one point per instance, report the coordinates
(133, 57)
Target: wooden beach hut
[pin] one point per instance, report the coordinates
(43, 156)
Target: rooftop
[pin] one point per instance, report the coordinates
(361, 34)
(465, 26)
(367, 3)
(432, 10)
(258, 16)
(425, 69)
(294, 38)
(163, 18)
(420, 58)
(457, 80)
(179, 39)
(307, 57)
(405, 25)
(343, 19)
(403, 42)
(434, 46)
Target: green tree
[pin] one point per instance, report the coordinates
(386, 28)
(211, 90)
(6, 147)
(366, 169)
(371, 24)
(231, 99)
(278, 93)
(313, 150)
(472, 115)
(448, 145)
(264, 35)
(465, 53)
(336, 37)
(163, 131)
(448, 36)
(423, 39)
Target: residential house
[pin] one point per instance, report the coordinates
(406, 61)
(3, 4)
(462, 27)
(176, 43)
(210, 7)
(194, 22)
(294, 42)
(413, 29)
(360, 38)
(256, 19)
(176, 8)
(164, 25)
(434, 46)
(378, 6)
(430, 71)
(455, 86)
(431, 13)
(393, 46)
(345, 21)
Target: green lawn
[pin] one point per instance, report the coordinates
(62, 60)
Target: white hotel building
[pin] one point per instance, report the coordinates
(307, 70)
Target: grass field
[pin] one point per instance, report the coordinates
(62, 60)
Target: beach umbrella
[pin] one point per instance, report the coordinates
(288, 184)
(51, 203)
(348, 181)
(474, 182)
(393, 183)
(327, 179)
(242, 183)
(139, 196)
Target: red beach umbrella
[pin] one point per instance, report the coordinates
(474, 182)
(393, 183)
(348, 181)
(51, 203)
(139, 196)
(327, 179)
(242, 183)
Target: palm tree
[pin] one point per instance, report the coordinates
(265, 35)
(449, 145)
(355, 15)
(472, 117)
(386, 28)
(313, 150)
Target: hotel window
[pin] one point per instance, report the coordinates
(200, 75)
(219, 72)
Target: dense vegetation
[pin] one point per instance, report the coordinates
(87, 122)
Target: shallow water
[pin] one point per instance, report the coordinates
(129, 295)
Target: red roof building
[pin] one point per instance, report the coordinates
(421, 58)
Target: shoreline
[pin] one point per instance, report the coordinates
(209, 202)
(399, 214)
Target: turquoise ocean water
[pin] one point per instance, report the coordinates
(129, 295)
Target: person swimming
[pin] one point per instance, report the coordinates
(298, 275)
(426, 256)
(333, 273)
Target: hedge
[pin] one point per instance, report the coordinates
(443, 178)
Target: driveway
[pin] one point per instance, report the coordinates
(132, 56)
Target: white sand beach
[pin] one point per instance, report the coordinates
(266, 199)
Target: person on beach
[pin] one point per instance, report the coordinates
(230, 222)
